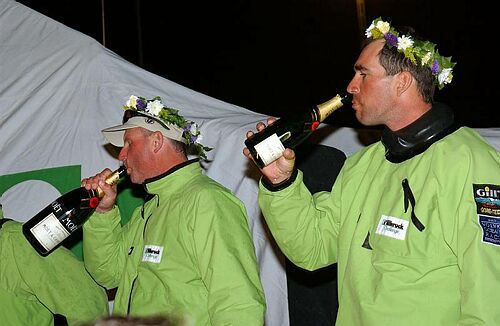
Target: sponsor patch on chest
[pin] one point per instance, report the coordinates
(152, 253)
(491, 229)
(392, 227)
(487, 198)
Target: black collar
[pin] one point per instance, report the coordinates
(158, 177)
(170, 171)
(3, 220)
(415, 138)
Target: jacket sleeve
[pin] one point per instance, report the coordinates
(103, 247)
(225, 255)
(304, 226)
(477, 240)
(61, 283)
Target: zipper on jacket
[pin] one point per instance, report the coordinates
(135, 279)
(130, 296)
(410, 199)
(145, 223)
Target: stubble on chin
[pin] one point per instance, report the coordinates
(134, 179)
(359, 117)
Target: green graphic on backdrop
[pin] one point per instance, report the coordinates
(67, 178)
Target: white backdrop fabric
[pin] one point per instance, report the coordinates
(59, 88)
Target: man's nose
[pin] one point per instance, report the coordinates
(122, 155)
(353, 87)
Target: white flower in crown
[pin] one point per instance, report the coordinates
(404, 42)
(191, 131)
(445, 76)
(132, 101)
(416, 50)
(383, 26)
(368, 31)
(426, 58)
(154, 107)
(194, 129)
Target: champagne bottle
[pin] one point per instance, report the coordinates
(269, 144)
(47, 229)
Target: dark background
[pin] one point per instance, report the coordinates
(277, 56)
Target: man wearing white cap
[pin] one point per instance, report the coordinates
(187, 252)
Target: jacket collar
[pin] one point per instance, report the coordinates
(4, 220)
(415, 138)
(153, 185)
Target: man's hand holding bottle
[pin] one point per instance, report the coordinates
(98, 182)
(281, 169)
(270, 147)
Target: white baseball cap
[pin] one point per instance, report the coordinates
(135, 119)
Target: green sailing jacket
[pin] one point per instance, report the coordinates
(32, 287)
(187, 252)
(417, 242)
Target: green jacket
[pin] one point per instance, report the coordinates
(186, 252)
(391, 271)
(32, 287)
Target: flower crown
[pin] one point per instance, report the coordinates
(419, 52)
(155, 108)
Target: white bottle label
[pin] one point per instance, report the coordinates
(270, 149)
(49, 232)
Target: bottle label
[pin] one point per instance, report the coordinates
(270, 149)
(49, 232)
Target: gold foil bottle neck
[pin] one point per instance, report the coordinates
(328, 107)
(112, 179)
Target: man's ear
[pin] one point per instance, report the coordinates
(157, 141)
(404, 80)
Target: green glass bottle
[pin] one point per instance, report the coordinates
(53, 224)
(269, 144)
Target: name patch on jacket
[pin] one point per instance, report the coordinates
(393, 227)
(487, 198)
(152, 253)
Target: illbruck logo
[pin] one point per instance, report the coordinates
(152, 253)
(392, 227)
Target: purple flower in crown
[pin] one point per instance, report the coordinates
(141, 104)
(192, 132)
(187, 128)
(391, 39)
(419, 52)
(435, 67)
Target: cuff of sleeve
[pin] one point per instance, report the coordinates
(279, 186)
